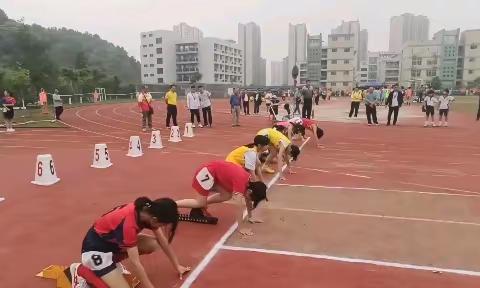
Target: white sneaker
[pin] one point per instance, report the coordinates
(445, 125)
(10, 130)
(77, 281)
(425, 125)
(200, 125)
(193, 125)
(433, 124)
(144, 129)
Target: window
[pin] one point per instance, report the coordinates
(145, 55)
(334, 38)
(333, 73)
(145, 65)
(363, 75)
(334, 61)
(473, 46)
(159, 50)
(346, 61)
(159, 70)
(416, 73)
(470, 71)
(345, 83)
(334, 49)
(151, 75)
(431, 73)
(363, 69)
(144, 36)
(145, 75)
(158, 40)
(160, 80)
(150, 35)
(151, 65)
(347, 37)
(416, 61)
(144, 46)
(150, 45)
(471, 60)
(334, 84)
(346, 72)
(346, 50)
(159, 60)
(151, 55)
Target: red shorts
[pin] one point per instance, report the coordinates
(199, 188)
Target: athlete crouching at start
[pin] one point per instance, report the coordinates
(246, 156)
(218, 181)
(280, 147)
(297, 126)
(116, 236)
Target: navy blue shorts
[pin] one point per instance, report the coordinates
(99, 255)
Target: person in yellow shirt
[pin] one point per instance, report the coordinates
(171, 100)
(281, 147)
(357, 98)
(246, 156)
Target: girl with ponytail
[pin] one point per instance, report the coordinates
(116, 236)
(246, 156)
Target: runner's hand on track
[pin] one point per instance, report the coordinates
(246, 232)
(254, 220)
(182, 270)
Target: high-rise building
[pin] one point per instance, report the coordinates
(187, 32)
(314, 58)
(297, 48)
(424, 60)
(249, 39)
(352, 27)
(169, 58)
(363, 45)
(383, 68)
(285, 73)
(407, 27)
(263, 72)
(468, 69)
(276, 74)
(341, 62)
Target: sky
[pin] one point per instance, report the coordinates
(121, 21)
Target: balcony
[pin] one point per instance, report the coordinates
(186, 71)
(187, 51)
(187, 60)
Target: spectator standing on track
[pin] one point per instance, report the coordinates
(478, 112)
(371, 102)
(257, 102)
(57, 104)
(394, 102)
(356, 99)
(171, 100)
(236, 106)
(298, 99)
(144, 100)
(444, 107)
(409, 96)
(307, 93)
(429, 108)
(42, 98)
(193, 104)
(206, 104)
(316, 96)
(268, 102)
(8, 102)
(246, 102)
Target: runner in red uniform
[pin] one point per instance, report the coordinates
(116, 236)
(222, 179)
(291, 127)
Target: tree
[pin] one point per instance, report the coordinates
(81, 60)
(18, 80)
(197, 76)
(436, 83)
(295, 74)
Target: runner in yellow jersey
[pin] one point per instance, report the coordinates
(246, 156)
(281, 147)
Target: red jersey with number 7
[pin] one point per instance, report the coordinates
(231, 177)
(119, 226)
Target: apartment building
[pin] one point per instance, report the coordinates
(314, 58)
(341, 59)
(468, 69)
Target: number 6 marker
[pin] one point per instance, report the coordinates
(45, 174)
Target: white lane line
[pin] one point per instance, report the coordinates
(355, 260)
(96, 133)
(429, 220)
(206, 260)
(355, 175)
(101, 124)
(97, 112)
(442, 188)
(378, 189)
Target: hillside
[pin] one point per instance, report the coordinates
(61, 58)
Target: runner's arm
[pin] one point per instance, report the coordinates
(134, 258)
(167, 249)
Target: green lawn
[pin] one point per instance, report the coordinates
(466, 104)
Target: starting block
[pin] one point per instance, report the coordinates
(63, 276)
(201, 220)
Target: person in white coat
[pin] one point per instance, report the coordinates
(206, 105)
(193, 104)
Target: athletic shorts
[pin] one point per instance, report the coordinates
(99, 255)
(444, 112)
(430, 110)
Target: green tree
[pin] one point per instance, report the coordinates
(196, 77)
(81, 61)
(436, 83)
(18, 80)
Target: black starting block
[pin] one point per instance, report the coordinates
(196, 215)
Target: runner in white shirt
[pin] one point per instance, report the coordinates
(429, 108)
(193, 104)
(445, 101)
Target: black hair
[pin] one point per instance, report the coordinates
(431, 91)
(165, 210)
(279, 128)
(193, 86)
(259, 192)
(172, 85)
(294, 152)
(446, 90)
(258, 140)
(319, 132)
(298, 129)
(200, 86)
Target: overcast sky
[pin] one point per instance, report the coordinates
(121, 21)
